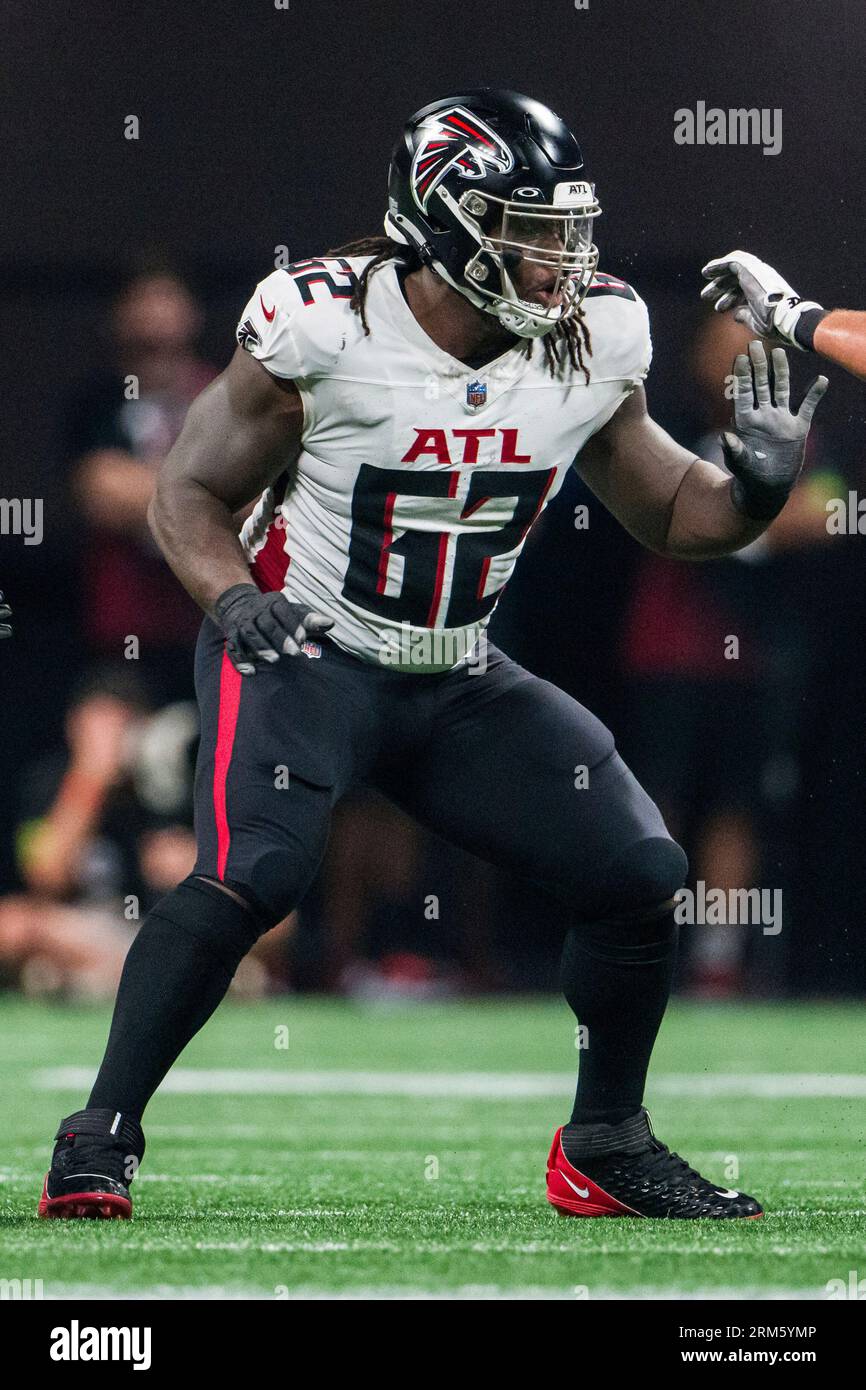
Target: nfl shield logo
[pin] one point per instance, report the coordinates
(476, 393)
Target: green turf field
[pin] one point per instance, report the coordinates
(401, 1151)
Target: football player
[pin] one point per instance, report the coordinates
(402, 409)
(766, 303)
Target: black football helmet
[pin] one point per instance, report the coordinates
(484, 181)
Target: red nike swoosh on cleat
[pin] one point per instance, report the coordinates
(268, 313)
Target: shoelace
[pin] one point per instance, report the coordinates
(669, 1163)
(84, 1157)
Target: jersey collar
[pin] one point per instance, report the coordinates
(452, 375)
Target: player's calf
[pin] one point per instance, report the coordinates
(176, 972)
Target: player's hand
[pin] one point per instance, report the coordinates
(760, 297)
(260, 628)
(766, 452)
(5, 616)
(100, 735)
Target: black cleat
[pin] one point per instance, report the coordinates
(95, 1158)
(623, 1170)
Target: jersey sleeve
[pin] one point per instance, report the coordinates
(268, 329)
(299, 319)
(620, 329)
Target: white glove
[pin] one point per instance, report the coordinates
(761, 299)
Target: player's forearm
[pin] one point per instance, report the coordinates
(841, 337)
(704, 522)
(197, 534)
(51, 860)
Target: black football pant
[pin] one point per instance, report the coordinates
(498, 761)
(495, 761)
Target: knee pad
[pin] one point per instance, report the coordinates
(275, 849)
(216, 920)
(643, 879)
(276, 879)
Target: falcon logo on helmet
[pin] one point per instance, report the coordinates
(456, 139)
(489, 188)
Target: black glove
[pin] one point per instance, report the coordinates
(259, 627)
(767, 451)
(5, 615)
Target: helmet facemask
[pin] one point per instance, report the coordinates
(550, 244)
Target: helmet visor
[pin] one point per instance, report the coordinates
(546, 254)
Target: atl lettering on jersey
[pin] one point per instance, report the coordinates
(419, 477)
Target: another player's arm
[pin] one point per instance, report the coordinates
(841, 337)
(762, 299)
(241, 433)
(683, 506)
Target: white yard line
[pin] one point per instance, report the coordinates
(344, 1249)
(462, 1292)
(474, 1085)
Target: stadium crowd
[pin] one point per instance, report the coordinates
(751, 748)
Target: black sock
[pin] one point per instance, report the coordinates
(178, 969)
(617, 978)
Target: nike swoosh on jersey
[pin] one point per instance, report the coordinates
(268, 313)
(581, 1191)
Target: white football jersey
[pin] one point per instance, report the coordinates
(419, 477)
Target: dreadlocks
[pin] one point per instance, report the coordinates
(570, 338)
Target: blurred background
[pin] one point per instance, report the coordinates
(263, 125)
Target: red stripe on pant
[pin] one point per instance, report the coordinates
(227, 722)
